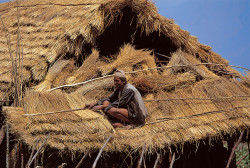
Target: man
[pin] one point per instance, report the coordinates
(125, 105)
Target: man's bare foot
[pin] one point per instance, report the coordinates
(120, 125)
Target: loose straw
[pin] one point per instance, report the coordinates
(148, 69)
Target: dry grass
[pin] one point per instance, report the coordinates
(127, 58)
(149, 83)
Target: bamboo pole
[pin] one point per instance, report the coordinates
(7, 146)
(80, 162)
(172, 161)
(29, 163)
(157, 159)
(33, 150)
(100, 152)
(233, 150)
(2, 133)
(141, 156)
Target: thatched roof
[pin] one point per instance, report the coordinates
(65, 42)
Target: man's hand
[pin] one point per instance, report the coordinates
(96, 108)
(89, 106)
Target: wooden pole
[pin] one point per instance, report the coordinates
(172, 161)
(140, 160)
(100, 152)
(234, 148)
(7, 146)
(33, 150)
(157, 159)
(80, 163)
(2, 133)
(29, 163)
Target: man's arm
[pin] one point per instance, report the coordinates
(125, 99)
(99, 104)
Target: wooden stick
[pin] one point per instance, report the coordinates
(140, 160)
(243, 157)
(15, 154)
(80, 163)
(22, 160)
(173, 66)
(7, 146)
(100, 152)
(54, 112)
(172, 161)
(29, 163)
(33, 150)
(157, 159)
(233, 150)
(2, 133)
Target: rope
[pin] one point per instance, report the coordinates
(197, 98)
(195, 115)
(148, 69)
(72, 110)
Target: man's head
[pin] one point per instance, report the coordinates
(120, 79)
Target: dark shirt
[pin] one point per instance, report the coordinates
(130, 99)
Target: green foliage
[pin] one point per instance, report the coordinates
(245, 163)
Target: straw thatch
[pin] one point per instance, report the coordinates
(190, 119)
(65, 42)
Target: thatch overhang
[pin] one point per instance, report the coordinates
(67, 42)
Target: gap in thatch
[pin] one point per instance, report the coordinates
(124, 30)
(81, 46)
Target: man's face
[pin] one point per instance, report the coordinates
(118, 83)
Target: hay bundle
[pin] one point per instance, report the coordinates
(129, 57)
(56, 75)
(87, 70)
(163, 82)
(182, 58)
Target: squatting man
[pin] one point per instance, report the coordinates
(125, 107)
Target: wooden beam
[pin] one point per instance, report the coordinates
(100, 152)
(80, 163)
(233, 150)
(157, 159)
(140, 160)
